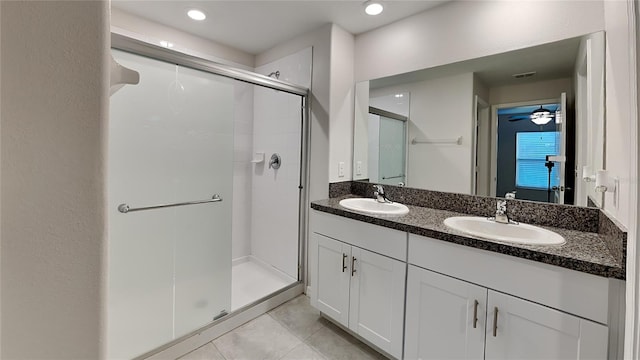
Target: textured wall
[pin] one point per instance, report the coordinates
(54, 110)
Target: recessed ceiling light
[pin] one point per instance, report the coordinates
(166, 44)
(196, 15)
(373, 8)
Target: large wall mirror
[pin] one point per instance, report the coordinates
(530, 121)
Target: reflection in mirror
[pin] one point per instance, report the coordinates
(528, 121)
(388, 138)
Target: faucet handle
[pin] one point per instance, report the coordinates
(379, 189)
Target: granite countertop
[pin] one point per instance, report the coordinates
(583, 251)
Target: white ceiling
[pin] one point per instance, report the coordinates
(256, 26)
(550, 61)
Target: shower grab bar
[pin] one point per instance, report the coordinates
(124, 208)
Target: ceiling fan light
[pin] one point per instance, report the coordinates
(541, 120)
(541, 116)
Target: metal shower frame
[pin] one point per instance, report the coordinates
(138, 47)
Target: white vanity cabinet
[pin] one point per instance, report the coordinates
(446, 317)
(478, 309)
(357, 278)
(520, 329)
(451, 318)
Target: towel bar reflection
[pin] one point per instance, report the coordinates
(457, 141)
(392, 177)
(124, 208)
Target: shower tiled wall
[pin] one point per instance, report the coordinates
(277, 127)
(242, 169)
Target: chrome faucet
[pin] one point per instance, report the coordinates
(501, 210)
(379, 194)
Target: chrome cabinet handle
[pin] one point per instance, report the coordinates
(475, 313)
(495, 321)
(353, 265)
(344, 265)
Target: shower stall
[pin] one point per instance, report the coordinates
(201, 224)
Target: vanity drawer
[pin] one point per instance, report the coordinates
(567, 290)
(382, 240)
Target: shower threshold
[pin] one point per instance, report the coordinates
(253, 279)
(215, 329)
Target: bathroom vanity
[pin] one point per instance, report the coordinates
(414, 288)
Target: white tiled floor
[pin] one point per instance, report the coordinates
(293, 331)
(251, 280)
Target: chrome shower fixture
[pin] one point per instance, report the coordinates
(276, 73)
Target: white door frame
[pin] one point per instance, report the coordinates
(632, 310)
(478, 104)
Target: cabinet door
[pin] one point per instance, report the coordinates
(377, 299)
(445, 317)
(525, 330)
(331, 277)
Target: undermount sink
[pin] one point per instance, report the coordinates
(514, 233)
(372, 206)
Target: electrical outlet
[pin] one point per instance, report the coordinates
(358, 167)
(341, 169)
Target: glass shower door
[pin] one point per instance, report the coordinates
(392, 151)
(170, 141)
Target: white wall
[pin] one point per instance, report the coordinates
(480, 88)
(277, 129)
(320, 40)
(439, 109)
(462, 30)
(481, 148)
(152, 32)
(389, 102)
(54, 114)
(620, 121)
(589, 114)
(342, 104)
(621, 143)
(539, 90)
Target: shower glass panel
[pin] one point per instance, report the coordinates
(392, 151)
(170, 141)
